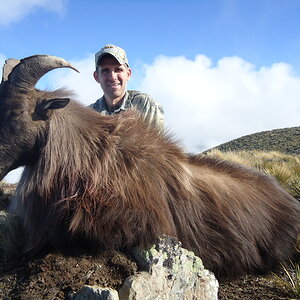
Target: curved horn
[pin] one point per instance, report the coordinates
(30, 69)
(8, 66)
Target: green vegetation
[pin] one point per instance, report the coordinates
(286, 140)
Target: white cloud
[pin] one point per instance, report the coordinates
(205, 104)
(14, 176)
(210, 104)
(13, 10)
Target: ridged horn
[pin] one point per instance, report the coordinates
(30, 69)
(8, 66)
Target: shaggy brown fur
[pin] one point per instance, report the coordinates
(114, 182)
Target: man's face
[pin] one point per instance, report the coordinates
(112, 77)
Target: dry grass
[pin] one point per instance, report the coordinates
(290, 279)
(284, 167)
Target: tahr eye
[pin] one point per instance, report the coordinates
(14, 114)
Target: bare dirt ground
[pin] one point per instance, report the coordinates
(57, 277)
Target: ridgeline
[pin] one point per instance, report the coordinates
(285, 140)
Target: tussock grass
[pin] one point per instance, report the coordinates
(290, 279)
(284, 167)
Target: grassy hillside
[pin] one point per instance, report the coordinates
(286, 140)
(285, 168)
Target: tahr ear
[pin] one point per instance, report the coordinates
(45, 105)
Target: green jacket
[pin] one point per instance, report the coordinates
(144, 103)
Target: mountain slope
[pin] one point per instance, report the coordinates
(285, 140)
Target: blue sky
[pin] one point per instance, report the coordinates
(220, 68)
(262, 32)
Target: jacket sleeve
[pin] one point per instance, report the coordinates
(151, 110)
(155, 116)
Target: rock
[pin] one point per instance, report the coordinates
(95, 293)
(170, 272)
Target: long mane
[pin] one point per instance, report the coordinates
(120, 183)
(92, 165)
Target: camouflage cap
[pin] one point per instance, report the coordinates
(118, 53)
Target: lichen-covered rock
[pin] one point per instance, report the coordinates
(95, 293)
(169, 272)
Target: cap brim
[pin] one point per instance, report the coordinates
(115, 57)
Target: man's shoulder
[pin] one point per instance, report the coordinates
(150, 108)
(141, 98)
(98, 105)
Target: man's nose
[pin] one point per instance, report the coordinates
(112, 75)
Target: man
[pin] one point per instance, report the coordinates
(113, 72)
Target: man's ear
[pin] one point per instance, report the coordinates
(96, 76)
(45, 105)
(129, 72)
